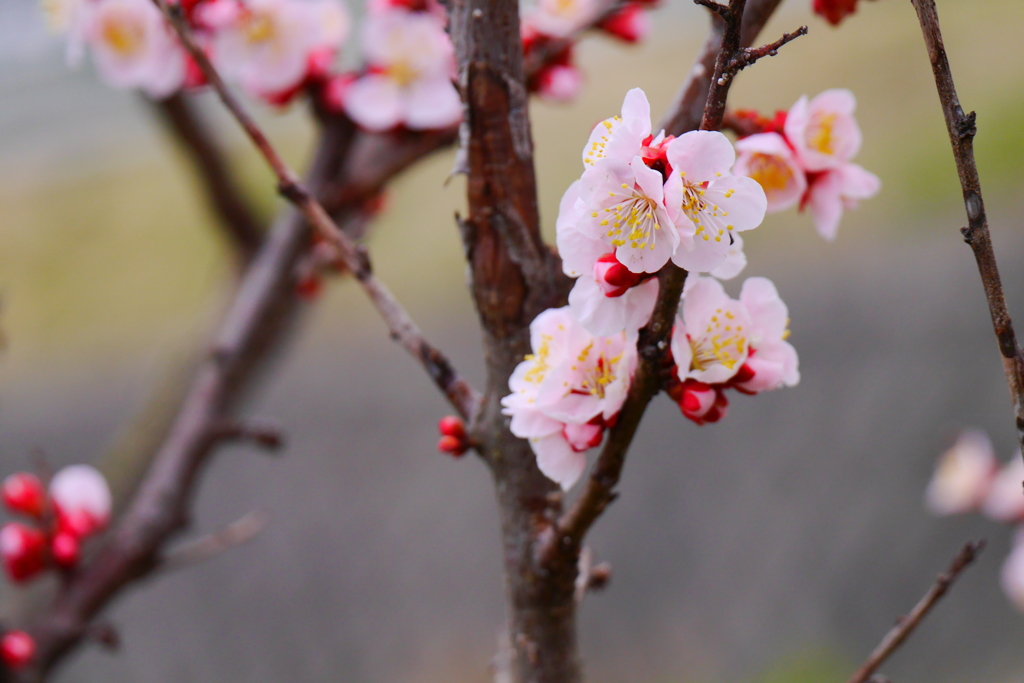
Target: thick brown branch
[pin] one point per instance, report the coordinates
(906, 625)
(961, 130)
(221, 189)
(401, 326)
(726, 43)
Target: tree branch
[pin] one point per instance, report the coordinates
(401, 326)
(726, 43)
(221, 189)
(906, 625)
(961, 129)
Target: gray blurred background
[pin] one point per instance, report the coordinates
(774, 547)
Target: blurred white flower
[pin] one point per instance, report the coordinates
(1005, 499)
(963, 476)
(82, 499)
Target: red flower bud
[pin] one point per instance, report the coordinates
(629, 23)
(24, 493)
(451, 445)
(834, 11)
(613, 278)
(22, 550)
(66, 549)
(309, 287)
(17, 649)
(450, 425)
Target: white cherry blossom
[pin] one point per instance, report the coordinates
(268, 49)
(963, 476)
(767, 158)
(625, 208)
(81, 494)
(604, 309)
(772, 360)
(409, 82)
(823, 131)
(710, 340)
(835, 190)
(706, 202)
(621, 137)
(134, 47)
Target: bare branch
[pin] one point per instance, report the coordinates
(906, 625)
(221, 189)
(262, 433)
(403, 330)
(961, 129)
(242, 530)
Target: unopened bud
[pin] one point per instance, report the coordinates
(332, 94)
(612, 277)
(17, 649)
(82, 499)
(66, 549)
(560, 83)
(629, 24)
(22, 550)
(451, 445)
(583, 437)
(702, 403)
(450, 425)
(24, 493)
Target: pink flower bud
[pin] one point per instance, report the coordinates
(24, 493)
(702, 402)
(449, 425)
(613, 278)
(82, 499)
(629, 24)
(583, 437)
(560, 83)
(964, 475)
(17, 649)
(66, 549)
(23, 551)
(452, 445)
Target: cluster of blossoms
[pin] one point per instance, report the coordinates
(968, 478)
(643, 200)
(553, 21)
(76, 505)
(803, 157)
(276, 49)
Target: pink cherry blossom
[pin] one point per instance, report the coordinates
(560, 83)
(134, 47)
(767, 158)
(268, 49)
(963, 476)
(593, 379)
(1005, 499)
(605, 307)
(772, 360)
(823, 131)
(706, 202)
(710, 340)
(621, 137)
(82, 498)
(409, 82)
(837, 189)
(625, 208)
(560, 18)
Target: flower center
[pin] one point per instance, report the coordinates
(820, 133)
(596, 377)
(771, 172)
(260, 28)
(699, 211)
(123, 37)
(637, 214)
(540, 361)
(721, 344)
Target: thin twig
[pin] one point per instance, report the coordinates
(242, 530)
(961, 130)
(906, 625)
(403, 330)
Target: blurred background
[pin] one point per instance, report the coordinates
(774, 547)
